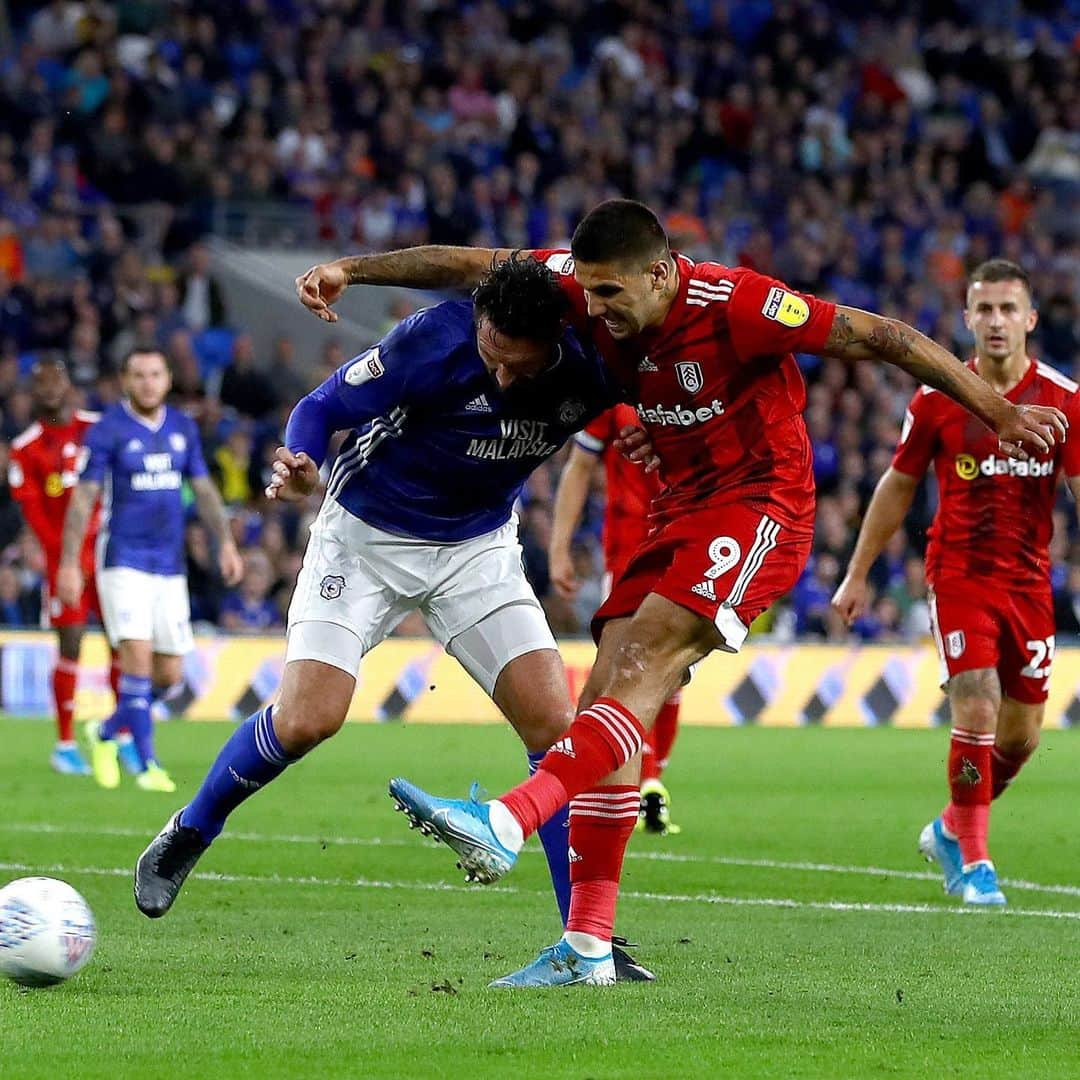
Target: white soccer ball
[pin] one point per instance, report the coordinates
(47, 931)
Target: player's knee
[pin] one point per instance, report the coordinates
(1016, 744)
(302, 729)
(540, 732)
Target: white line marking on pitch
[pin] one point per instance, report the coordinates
(667, 898)
(648, 856)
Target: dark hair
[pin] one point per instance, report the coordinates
(142, 350)
(620, 231)
(522, 299)
(51, 359)
(1000, 270)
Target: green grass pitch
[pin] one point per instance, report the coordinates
(794, 931)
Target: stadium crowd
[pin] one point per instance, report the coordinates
(872, 154)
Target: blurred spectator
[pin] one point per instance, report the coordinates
(249, 607)
(201, 301)
(18, 606)
(244, 387)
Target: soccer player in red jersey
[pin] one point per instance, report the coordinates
(629, 491)
(734, 523)
(988, 565)
(44, 467)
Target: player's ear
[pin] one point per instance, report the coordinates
(659, 273)
(1032, 320)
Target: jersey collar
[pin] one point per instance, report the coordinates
(1025, 380)
(142, 419)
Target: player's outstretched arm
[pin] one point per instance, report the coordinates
(885, 514)
(430, 266)
(69, 578)
(570, 496)
(862, 335)
(212, 514)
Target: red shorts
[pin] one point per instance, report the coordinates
(55, 614)
(727, 563)
(1012, 632)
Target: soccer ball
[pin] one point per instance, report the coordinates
(47, 931)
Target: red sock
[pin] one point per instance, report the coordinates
(601, 822)
(657, 748)
(602, 738)
(1004, 767)
(970, 781)
(65, 677)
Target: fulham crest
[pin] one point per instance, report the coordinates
(689, 375)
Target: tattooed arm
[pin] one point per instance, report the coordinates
(212, 514)
(69, 577)
(80, 507)
(431, 266)
(862, 335)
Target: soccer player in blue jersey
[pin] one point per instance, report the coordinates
(447, 416)
(139, 455)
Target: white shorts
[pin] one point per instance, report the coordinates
(137, 606)
(358, 582)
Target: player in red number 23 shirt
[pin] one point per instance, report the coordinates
(44, 467)
(988, 565)
(706, 354)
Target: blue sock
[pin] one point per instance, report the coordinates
(133, 712)
(249, 760)
(555, 838)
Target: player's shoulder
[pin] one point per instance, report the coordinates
(434, 328)
(178, 420)
(558, 260)
(1054, 386)
(711, 274)
(30, 435)
(87, 417)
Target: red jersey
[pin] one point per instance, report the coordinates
(630, 489)
(994, 517)
(45, 463)
(717, 387)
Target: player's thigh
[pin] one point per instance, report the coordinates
(168, 669)
(172, 634)
(611, 634)
(533, 694)
(733, 563)
(975, 699)
(1028, 644)
(314, 696)
(654, 652)
(127, 612)
(352, 577)
(474, 579)
(967, 632)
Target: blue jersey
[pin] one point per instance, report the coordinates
(141, 469)
(436, 450)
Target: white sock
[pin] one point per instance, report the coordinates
(505, 826)
(593, 948)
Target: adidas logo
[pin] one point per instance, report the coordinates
(564, 746)
(574, 856)
(647, 365)
(478, 404)
(704, 588)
